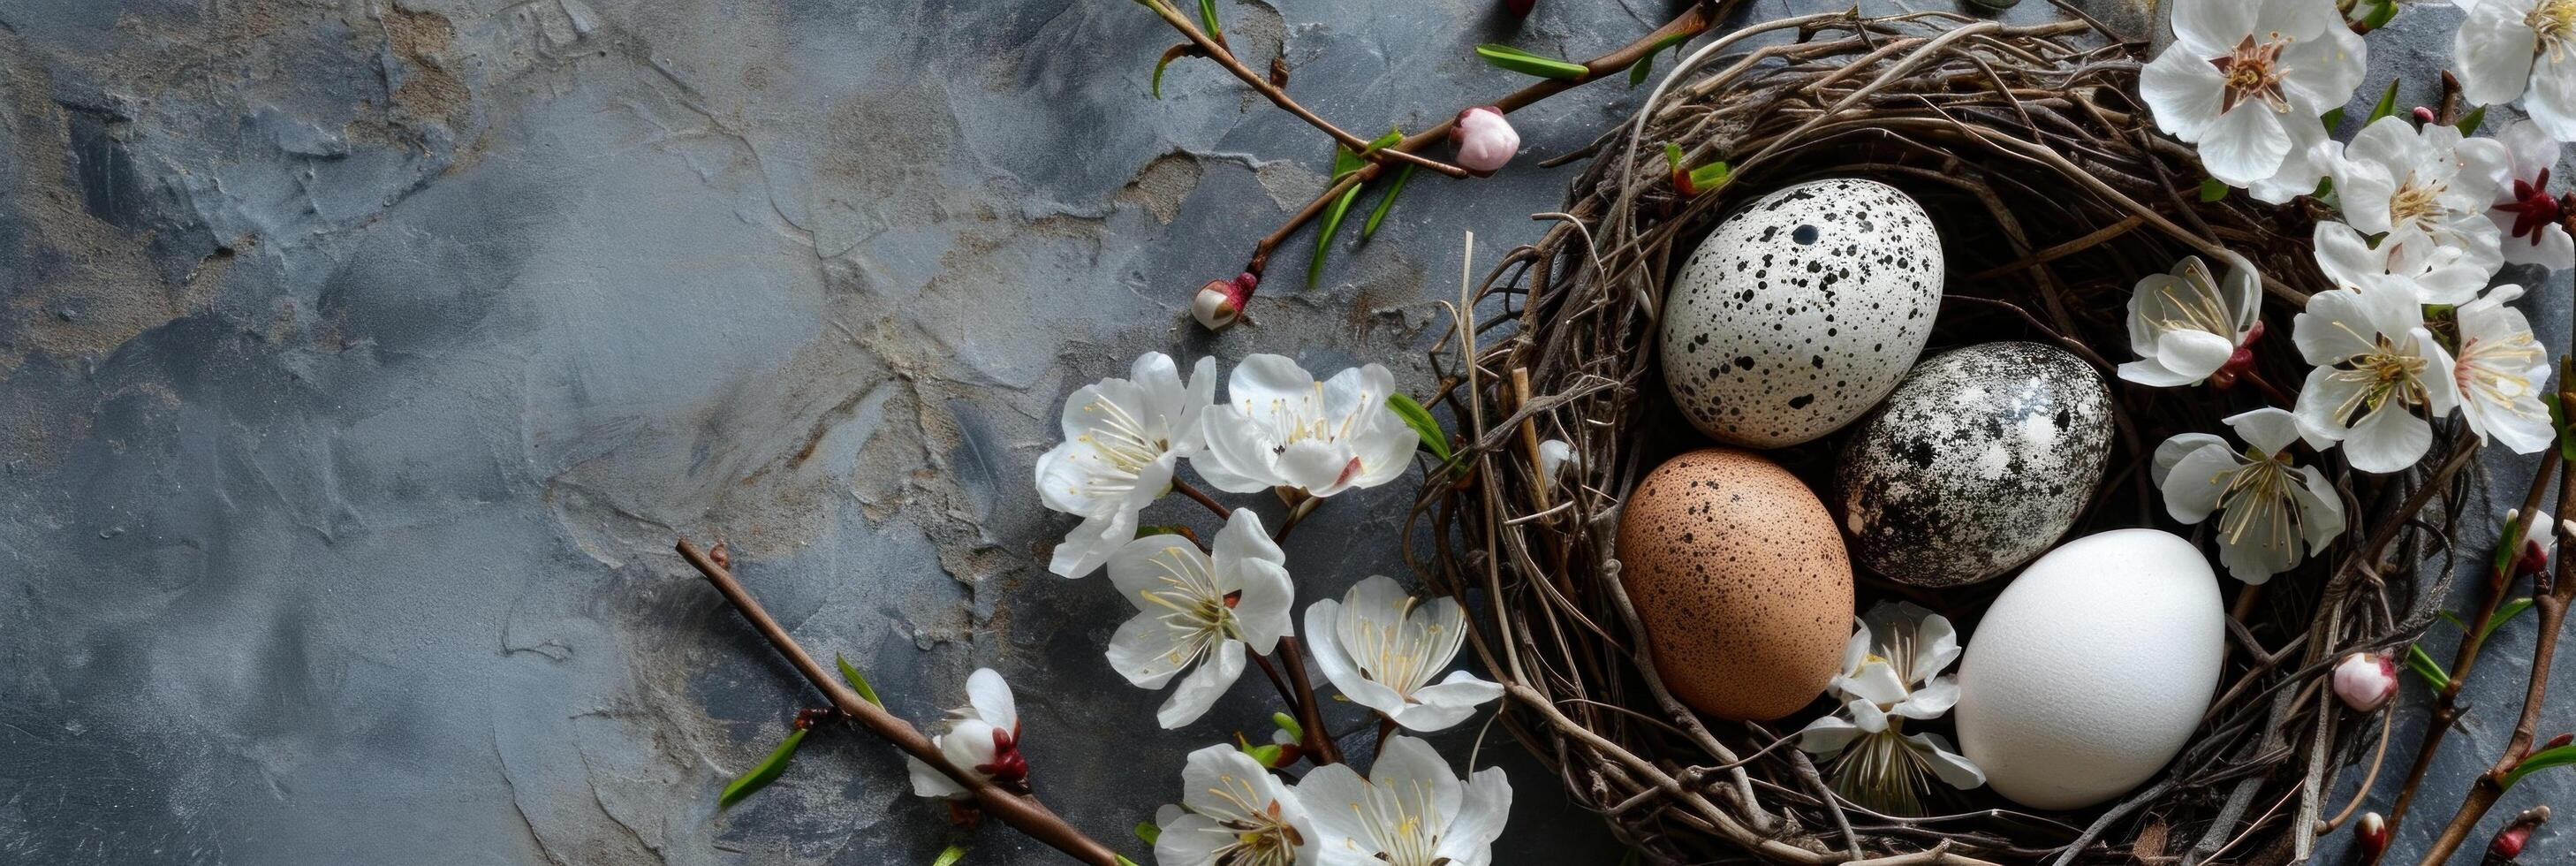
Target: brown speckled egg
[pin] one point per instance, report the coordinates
(1742, 581)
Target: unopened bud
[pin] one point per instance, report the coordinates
(1220, 303)
(1485, 141)
(1520, 8)
(2372, 831)
(2509, 842)
(2365, 681)
(2424, 115)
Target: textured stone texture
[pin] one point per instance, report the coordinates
(362, 357)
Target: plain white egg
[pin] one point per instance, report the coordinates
(2092, 669)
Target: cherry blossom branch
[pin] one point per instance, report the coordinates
(1024, 813)
(1691, 22)
(1213, 49)
(2446, 696)
(2550, 602)
(1193, 492)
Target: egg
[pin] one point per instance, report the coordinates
(2092, 669)
(1978, 461)
(1800, 311)
(1741, 580)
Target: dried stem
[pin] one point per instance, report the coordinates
(1023, 813)
(1213, 49)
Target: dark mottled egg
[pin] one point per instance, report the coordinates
(1742, 582)
(1976, 463)
(1799, 312)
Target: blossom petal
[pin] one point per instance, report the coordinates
(1263, 384)
(1946, 762)
(2345, 255)
(2320, 509)
(1205, 684)
(2493, 52)
(1315, 466)
(2552, 102)
(1244, 539)
(2199, 478)
(2388, 439)
(2184, 91)
(1412, 767)
(1192, 839)
(1443, 705)
(2178, 446)
(1338, 799)
(1157, 563)
(1930, 700)
(2212, 25)
(1384, 445)
(1195, 397)
(1483, 808)
(2335, 326)
(1236, 456)
(2245, 145)
(2269, 429)
(2193, 353)
(1827, 735)
(991, 698)
(1877, 683)
(1327, 622)
(927, 782)
(1936, 643)
(1092, 543)
(1148, 651)
(2319, 399)
(1263, 609)
(2318, 74)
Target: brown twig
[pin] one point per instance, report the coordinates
(1023, 813)
(2550, 603)
(1691, 22)
(2446, 698)
(1215, 49)
(1192, 491)
(1319, 743)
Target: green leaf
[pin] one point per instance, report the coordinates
(762, 773)
(1673, 155)
(2333, 118)
(2380, 16)
(2504, 613)
(1324, 236)
(1423, 425)
(1123, 861)
(1266, 754)
(950, 856)
(2454, 620)
(2508, 544)
(1345, 161)
(1526, 63)
(1638, 73)
(2469, 122)
(2541, 760)
(856, 681)
(1176, 52)
(1287, 722)
(1147, 831)
(1387, 203)
(2387, 104)
(2424, 666)
(1709, 177)
(1207, 16)
(2558, 421)
(2213, 189)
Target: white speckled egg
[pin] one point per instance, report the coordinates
(1979, 460)
(1800, 311)
(2092, 669)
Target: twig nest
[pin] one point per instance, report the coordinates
(1800, 311)
(1978, 461)
(1744, 587)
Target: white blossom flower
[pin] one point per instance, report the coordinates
(2443, 277)
(1409, 811)
(2507, 48)
(2187, 325)
(1121, 439)
(2267, 504)
(2376, 365)
(2248, 80)
(1553, 456)
(1281, 428)
(2500, 372)
(981, 738)
(2428, 189)
(1891, 672)
(1381, 647)
(1198, 608)
(2531, 220)
(1233, 813)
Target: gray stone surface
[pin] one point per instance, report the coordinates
(361, 359)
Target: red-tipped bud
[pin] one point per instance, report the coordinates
(2372, 832)
(1009, 768)
(2510, 841)
(2424, 116)
(1485, 141)
(2365, 681)
(1520, 8)
(1219, 304)
(2554, 742)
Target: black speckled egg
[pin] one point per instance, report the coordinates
(1800, 311)
(1976, 463)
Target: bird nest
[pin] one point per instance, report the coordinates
(2030, 151)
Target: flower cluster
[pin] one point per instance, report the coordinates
(2426, 217)
(1408, 811)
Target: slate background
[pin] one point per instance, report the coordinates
(360, 360)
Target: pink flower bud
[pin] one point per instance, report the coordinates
(1220, 302)
(2372, 830)
(2509, 842)
(2424, 116)
(2365, 681)
(1485, 141)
